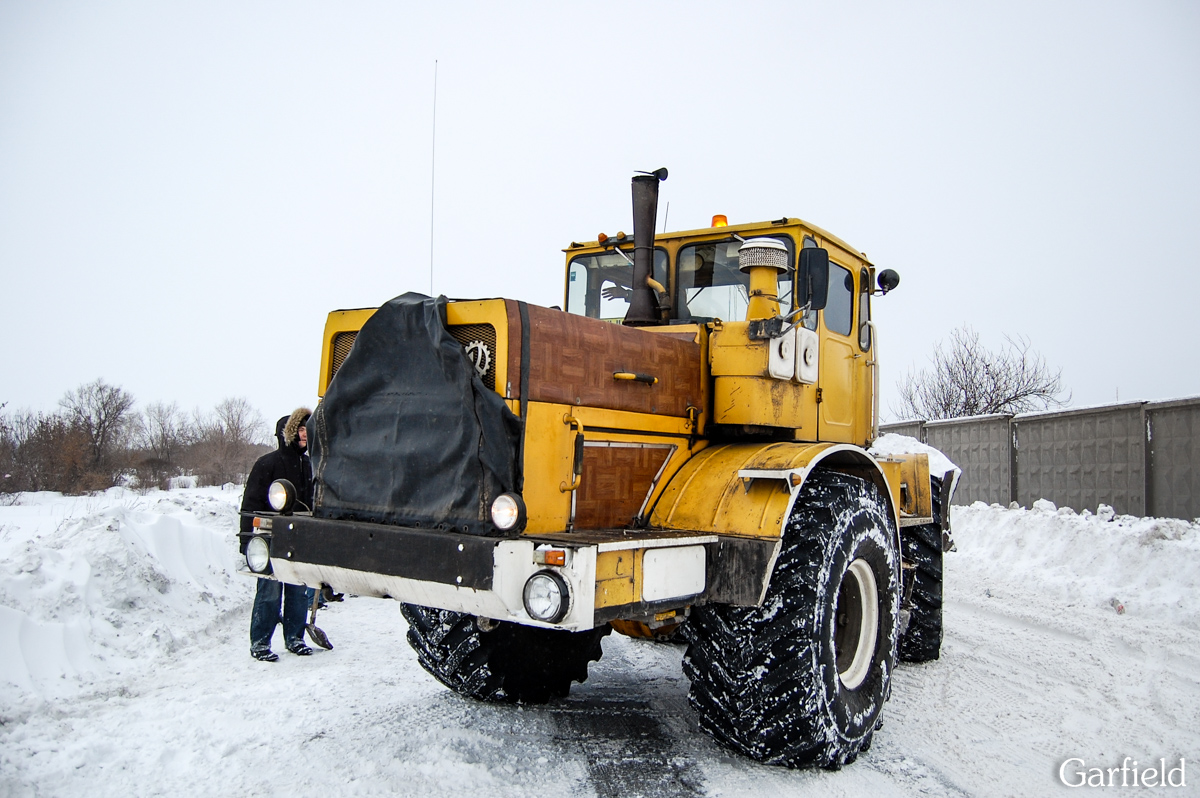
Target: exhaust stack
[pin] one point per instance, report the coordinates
(643, 301)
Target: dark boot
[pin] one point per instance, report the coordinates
(298, 648)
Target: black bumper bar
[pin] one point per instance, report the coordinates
(450, 558)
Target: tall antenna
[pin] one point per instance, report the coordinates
(666, 215)
(432, 176)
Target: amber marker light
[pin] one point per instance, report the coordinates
(601, 238)
(544, 555)
(720, 220)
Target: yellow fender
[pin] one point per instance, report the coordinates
(746, 491)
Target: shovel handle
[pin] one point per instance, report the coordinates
(316, 599)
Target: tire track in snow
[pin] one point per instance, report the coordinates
(636, 733)
(629, 752)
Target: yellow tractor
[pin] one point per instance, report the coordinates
(682, 449)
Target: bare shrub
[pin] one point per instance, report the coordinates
(97, 440)
(45, 451)
(968, 379)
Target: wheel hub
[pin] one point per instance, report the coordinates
(856, 624)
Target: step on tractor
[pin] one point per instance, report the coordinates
(679, 452)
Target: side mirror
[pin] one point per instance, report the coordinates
(813, 278)
(887, 280)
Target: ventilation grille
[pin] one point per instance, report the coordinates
(479, 341)
(341, 347)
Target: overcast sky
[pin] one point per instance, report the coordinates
(186, 189)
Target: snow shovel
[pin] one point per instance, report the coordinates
(314, 634)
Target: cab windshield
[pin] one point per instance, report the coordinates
(711, 286)
(598, 285)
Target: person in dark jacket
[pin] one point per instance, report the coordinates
(290, 461)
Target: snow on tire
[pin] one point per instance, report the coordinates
(801, 680)
(497, 660)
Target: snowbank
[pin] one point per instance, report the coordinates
(1148, 566)
(92, 585)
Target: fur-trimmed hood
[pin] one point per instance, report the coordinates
(288, 428)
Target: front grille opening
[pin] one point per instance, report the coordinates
(479, 343)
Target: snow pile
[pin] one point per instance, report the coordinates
(89, 585)
(1144, 566)
(891, 444)
(124, 670)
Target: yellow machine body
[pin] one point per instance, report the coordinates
(686, 430)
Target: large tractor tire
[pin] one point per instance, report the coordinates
(922, 548)
(500, 661)
(801, 680)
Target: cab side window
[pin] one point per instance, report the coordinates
(839, 306)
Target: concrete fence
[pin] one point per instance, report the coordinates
(1142, 458)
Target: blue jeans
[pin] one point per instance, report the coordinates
(296, 599)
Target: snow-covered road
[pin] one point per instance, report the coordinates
(115, 681)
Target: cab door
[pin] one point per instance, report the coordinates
(838, 407)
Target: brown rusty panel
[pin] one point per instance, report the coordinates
(513, 389)
(615, 482)
(573, 359)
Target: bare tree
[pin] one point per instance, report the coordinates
(159, 435)
(227, 441)
(161, 430)
(968, 379)
(241, 422)
(101, 412)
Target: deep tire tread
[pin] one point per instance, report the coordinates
(922, 547)
(755, 683)
(510, 663)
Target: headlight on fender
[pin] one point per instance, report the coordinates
(508, 512)
(546, 597)
(258, 554)
(281, 496)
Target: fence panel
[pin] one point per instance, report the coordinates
(981, 448)
(1174, 458)
(1141, 458)
(1081, 458)
(910, 428)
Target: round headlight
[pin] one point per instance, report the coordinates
(546, 597)
(508, 512)
(258, 554)
(281, 495)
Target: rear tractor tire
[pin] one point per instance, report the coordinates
(801, 680)
(498, 660)
(922, 549)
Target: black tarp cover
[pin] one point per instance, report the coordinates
(407, 433)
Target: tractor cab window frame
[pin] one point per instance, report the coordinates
(864, 310)
(709, 285)
(839, 305)
(598, 285)
(809, 321)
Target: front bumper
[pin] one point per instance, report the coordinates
(608, 574)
